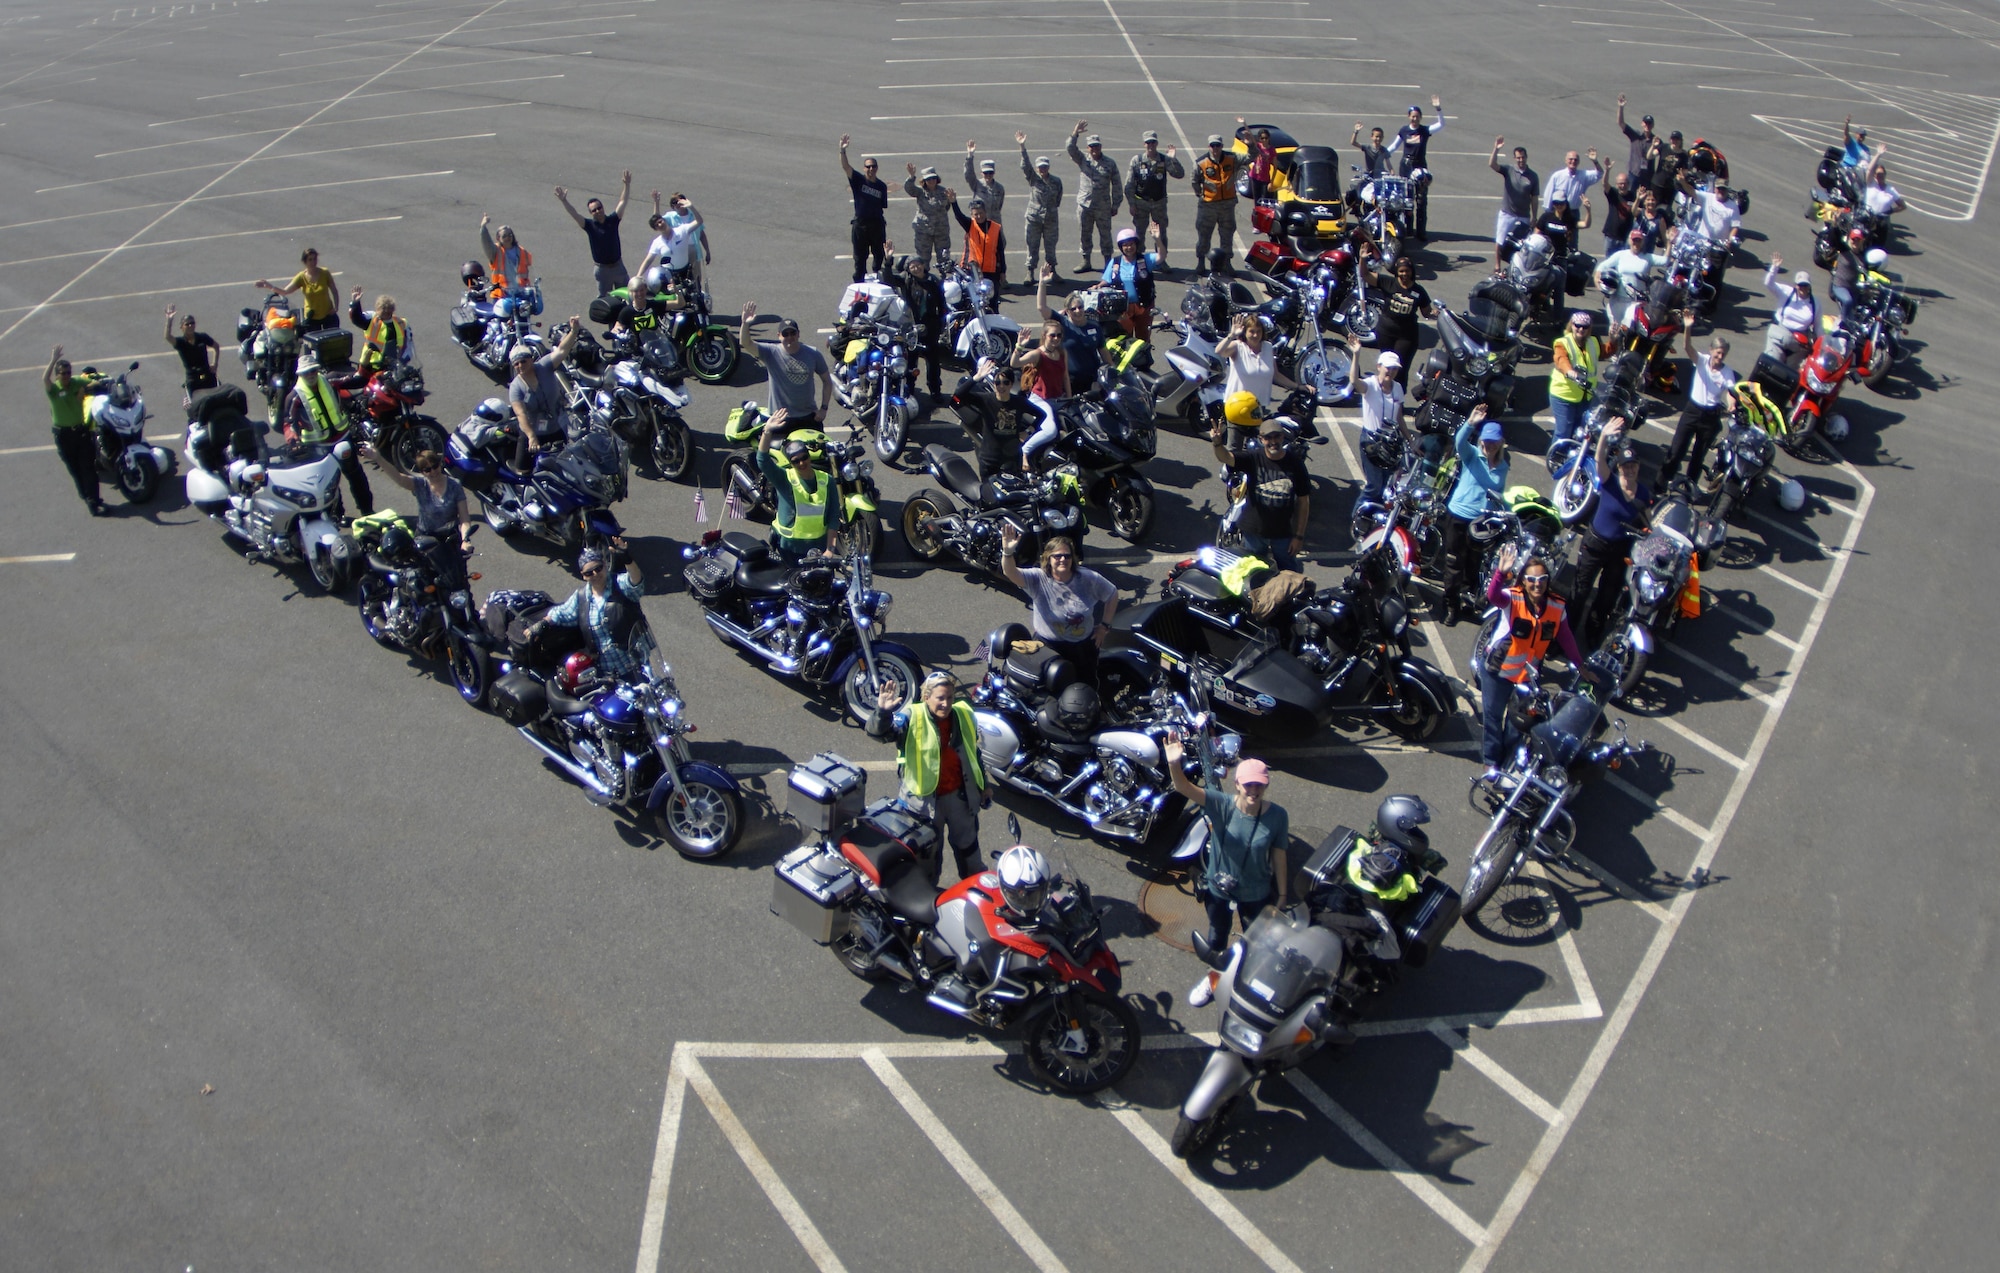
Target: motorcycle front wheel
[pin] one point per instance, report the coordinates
(1082, 1041)
(925, 543)
(1130, 505)
(1191, 1136)
(1414, 719)
(138, 478)
(497, 520)
(1631, 659)
(1492, 860)
(712, 356)
(859, 698)
(325, 572)
(471, 670)
(423, 434)
(700, 821)
(673, 449)
(892, 431)
(859, 535)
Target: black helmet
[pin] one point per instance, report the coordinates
(472, 272)
(396, 541)
(1399, 819)
(813, 585)
(1076, 708)
(1384, 865)
(1384, 448)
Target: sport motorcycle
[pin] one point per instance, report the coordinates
(966, 518)
(115, 410)
(633, 389)
(680, 311)
(820, 624)
(382, 405)
(284, 505)
(857, 886)
(1103, 437)
(566, 496)
(1743, 454)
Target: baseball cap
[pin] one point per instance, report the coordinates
(1388, 358)
(1624, 453)
(1041, 161)
(1802, 277)
(977, 203)
(1215, 139)
(1413, 109)
(928, 174)
(1674, 135)
(986, 165)
(1491, 432)
(1149, 135)
(788, 325)
(1252, 771)
(796, 449)
(1646, 119)
(1093, 140)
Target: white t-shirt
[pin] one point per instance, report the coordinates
(1250, 371)
(1881, 200)
(1067, 611)
(1709, 386)
(1719, 217)
(674, 247)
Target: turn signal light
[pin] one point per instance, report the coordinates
(1304, 1037)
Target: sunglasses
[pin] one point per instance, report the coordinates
(1272, 439)
(1061, 557)
(1536, 581)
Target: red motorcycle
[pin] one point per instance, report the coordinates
(1654, 327)
(383, 405)
(1811, 409)
(858, 887)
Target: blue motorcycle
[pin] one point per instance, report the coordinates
(486, 327)
(565, 498)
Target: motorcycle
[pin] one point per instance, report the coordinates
(267, 344)
(860, 529)
(381, 407)
(284, 505)
(1743, 454)
(115, 410)
(565, 499)
(680, 313)
(1102, 438)
(1299, 977)
(1572, 462)
(1386, 204)
(1544, 281)
(1880, 316)
(875, 378)
(1353, 638)
(487, 327)
(965, 519)
(1701, 261)
(402, 607)
(1528, 803)
(1472, 362)
(1655, 325)
(856, 886)
(623, 742)
(1663, 560)
(974, 329)
(820, 623)
(1811, 408)
(633, 389)
(1101, 760)
(1836, 205)
(1309, 212)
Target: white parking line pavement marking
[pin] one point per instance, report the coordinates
(40, 367)
(766, 1176)
(1492, 1069)
(331, 123)
(1728, 678)
(1782, 577)
(1652, 803)
(1407, 1176)
(1756, 627)
(1206, 1194)
(204, 238)
(1627, 1007)
(1702, 741)
(1586, 993)
(37, 557)
(978, 1181)
(1548, 1014)
(654, 1226)
(394, 92)
(1115, 57)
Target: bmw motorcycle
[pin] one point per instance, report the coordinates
(856, 886)
(1103, 437)
(486, 328)
(623, 742)
(965, 519)
(383, 407)
(633, 389)
(283, 505)
(565, 499)
(819, 624)
(116, 413)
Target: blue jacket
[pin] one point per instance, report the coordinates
(1479, 483)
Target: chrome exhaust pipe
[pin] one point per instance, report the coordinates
(744, 637)
(1097, 822)
(593, 787)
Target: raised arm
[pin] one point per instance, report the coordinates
(1175, 752)
(847, 169)
(624, 193)
(748, 345)
(1010, 539)
(1493, 161)
(562, 197)
(49, 372)
(486, 243)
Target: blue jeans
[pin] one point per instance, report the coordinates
(1569, 418)
(1276, 551)
(1494, 695)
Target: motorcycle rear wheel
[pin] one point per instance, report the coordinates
(859, 700)
(1490, 863)
(712, 356)
(739, 474)
(700, 821)
(372, 598)
(924, 544)
(1102, 1034)
(496, 519)
(856, 960)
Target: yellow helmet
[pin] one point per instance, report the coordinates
(1243, 410)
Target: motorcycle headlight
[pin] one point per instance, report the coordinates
(878, 606)
(1651, 586)
(1236, 1031)
(304, 499)
(899, 366)
(850, 471)
(1058, 518)
(1818, 385)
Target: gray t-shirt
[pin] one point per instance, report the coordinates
(1518, 189)
(1067, 611)
(544, 400)
(793, 379)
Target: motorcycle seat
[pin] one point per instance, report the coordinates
(745, 547)
(912, 897)
(954, 472)
(875, 853)
(561, 704)
(1200, 586)
(585, 378)
(763, 580)
(996, 494)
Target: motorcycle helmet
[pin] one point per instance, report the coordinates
(1836, 428)
(656, 279)
(574, 669)
(1243, 410)
(812, 586)
(1791, 495)
(1025, 880)
(1875, 258)
(1856, 237)
(396, 541)
(1112, 303)
(1076, 708)
(472, 272)
(1399, 820)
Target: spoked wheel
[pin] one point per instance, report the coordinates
(373, 603)
(1082, 1041)
(924, 542)
(1879, 363)
(1131, 507)
(471, 670)
(673, 449)
(892, 430)
(423, 434)
(858, 696)
(1492, 860)
(1631, 659)
(1191, 1136)
(859, 535)
(700, 821)
(712, 357)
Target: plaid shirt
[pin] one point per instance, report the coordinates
(587, 608)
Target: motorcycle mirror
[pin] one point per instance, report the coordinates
(134, 366)
(1013, 828)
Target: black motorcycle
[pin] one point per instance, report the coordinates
(404, 604)
(679, 311)
(1474, 359)
(1254, 686)
(819, 623)
(623, 742)
(1662, 561)
(634, 389)
(967, 521)
(1104, 436)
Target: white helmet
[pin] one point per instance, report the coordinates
(1875, 258)
(1025, 880)
(1836, 428)
(1791, 495)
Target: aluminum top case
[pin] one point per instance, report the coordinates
(826, 792)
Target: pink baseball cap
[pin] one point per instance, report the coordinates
(1249, 771)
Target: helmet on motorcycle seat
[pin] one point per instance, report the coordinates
(1875, 258)
(1243, 410)
(472, 272)
(812, 586)
(656, 279)
(1025, 880)
(396, 541)
(1076, 708)
(1399, 820)
(574, 669)
(1382, 866)
(1111, 303)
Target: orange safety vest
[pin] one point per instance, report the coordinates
(1529, 634)
(374, 343)
(982, 247)
(1218, 177)
(499, 272)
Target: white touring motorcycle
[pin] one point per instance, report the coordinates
(284, 505)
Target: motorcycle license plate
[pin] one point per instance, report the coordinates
(1326, 227)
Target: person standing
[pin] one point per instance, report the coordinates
(981, 184)
(984, 241)
(1711, 394)
(1403, 300)
(1243, 866)
(1043, 223)
(1273, 478)
(1646, 219)
(1569, 184)
(1617, 212)
(315, 288)
(1252, 368)
(313, 416)
(1097, 192)
(792, 367)
(385, 340)
(1082, 333)
(1669, 167)
(1535, 619)
(931, 227)
(199, 354)
(1263, 159)
(1575, 355)
(1482, 475)
(1381, 413)
(1000, 410)
(1215, 205)
(1520, 197)
(937, 766)
(1854, 151)
(1146, 189)
(607, 252)
(1374, 155)
(1620, 514)
(681, 243)
(1639, 159)
(808, 506)
(1070, 608)
(869, 230)
(1413, 140)
(922, 292)
(74, 445)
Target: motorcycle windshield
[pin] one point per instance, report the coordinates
(1561, 738)
(1316, 180)
(1283, 962)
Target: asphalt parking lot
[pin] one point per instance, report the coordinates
(451, 1015)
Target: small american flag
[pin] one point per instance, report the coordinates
(984, 652)
(700, 508)
(732, 506)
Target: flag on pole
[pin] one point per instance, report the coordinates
(984, 652)
(700, 507)
(732, 507)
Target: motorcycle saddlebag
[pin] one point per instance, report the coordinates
(892, 819)
(1329, 860)
(331, 348)
(709, 577)
(519, 699)
(1774, 378)
(467, 327)
(1577, 269)
(606, 310)
(825, 792)
(810, 890)
(1425, 920)
(1038, 673)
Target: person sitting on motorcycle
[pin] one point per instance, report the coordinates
(536, 397)
(1133, 270)
(609, 615)
(996, 429)
(198, 352)
(1532, 619)
(1045, 375)
(1622, 277)
(1555, 225)
(442, 512)
(1244, 863)
(510, 266)
(808, 505)
(938, 765)
(1482, 475)
(312, 415)
(1575, 356)
(1795, 320)
(1385, 867)
(387, 339)
(1619, 518)
(922, 292)
(1272, 476)
(1070, 607)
